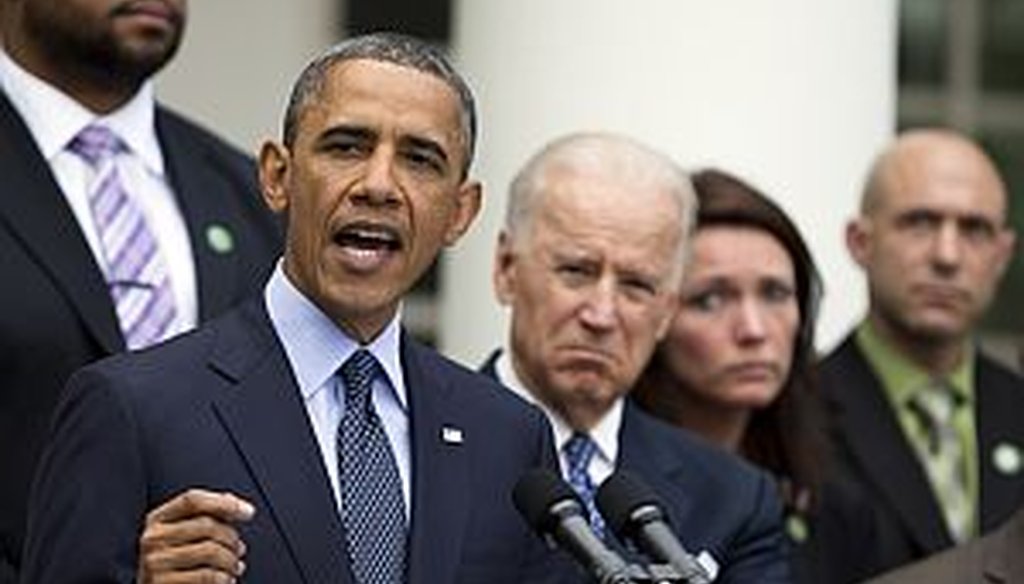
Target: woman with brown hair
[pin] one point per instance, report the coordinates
(736, 367)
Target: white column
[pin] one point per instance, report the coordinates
(795, 96)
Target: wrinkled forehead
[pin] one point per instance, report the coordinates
(580, 213)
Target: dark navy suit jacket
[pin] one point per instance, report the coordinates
(55, 312)
(716, 502)
(219, 409)
(873, 451)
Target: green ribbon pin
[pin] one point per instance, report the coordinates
(219, 238)
(1007, 458)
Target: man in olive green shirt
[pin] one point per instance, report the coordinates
(930, 428)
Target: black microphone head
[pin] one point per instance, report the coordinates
(536, 492)
(621, 495)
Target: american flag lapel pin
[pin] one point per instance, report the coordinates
(451, 435)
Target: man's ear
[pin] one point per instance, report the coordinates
(503, 275)
(467, 207)
(858, 239)
(274, 169)
(1007, 244)
(671, 308)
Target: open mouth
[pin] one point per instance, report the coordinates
(366, 247)
(368, 237)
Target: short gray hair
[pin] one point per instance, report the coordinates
(388, 47)
(600, 154)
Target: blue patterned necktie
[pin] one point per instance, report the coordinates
(372, 506)
(579, 450)
(137, 278)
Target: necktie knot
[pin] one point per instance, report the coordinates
(358, 373)
(579, 450)
(95, 144)
(935, 405)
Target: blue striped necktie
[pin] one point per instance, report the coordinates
(137, 277)
(579, 450)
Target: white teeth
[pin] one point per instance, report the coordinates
(370, 234)
(365, 253)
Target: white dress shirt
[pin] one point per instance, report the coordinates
(605, 433)
(54, 119)
(316, 349)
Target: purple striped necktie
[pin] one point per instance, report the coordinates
(136, 274)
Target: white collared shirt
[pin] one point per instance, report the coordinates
(605, 433)
(54, 119)
(316, 349)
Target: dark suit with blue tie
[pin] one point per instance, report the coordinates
(219, 409)
(56, 314)
(715, 502)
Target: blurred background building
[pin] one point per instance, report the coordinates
(797, 95)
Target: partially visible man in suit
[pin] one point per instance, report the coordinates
(928, 425)
(993, 559)
(590, 261)
(121, 223)
(304, 437)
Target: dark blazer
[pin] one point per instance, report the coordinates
(219, 408)
(55, 312)
(993, 559)
(715, 502)
(842, 536)
(872, 450)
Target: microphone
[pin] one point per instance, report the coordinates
(634, 512)
(553, 509)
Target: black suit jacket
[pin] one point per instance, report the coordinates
(219, 408)
(715, 502)
(993, 559)
(55, 312)
(872, 449)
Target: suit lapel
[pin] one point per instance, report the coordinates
(36, 212)
(440, 470)
(881, 449)
(265, 416)
(1000, 398)
(199, 188)
(642, 453)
